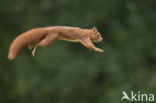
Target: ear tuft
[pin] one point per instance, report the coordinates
(94, 28)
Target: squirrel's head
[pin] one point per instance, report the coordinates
(95, 35)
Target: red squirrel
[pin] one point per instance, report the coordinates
(45, 36)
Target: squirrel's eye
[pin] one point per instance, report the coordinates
(97, 35)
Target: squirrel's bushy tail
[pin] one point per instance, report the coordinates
(25, 39)
(17, 45)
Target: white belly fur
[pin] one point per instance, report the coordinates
(71, 40)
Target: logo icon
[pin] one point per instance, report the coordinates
(125, 96)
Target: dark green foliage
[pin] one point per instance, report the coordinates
(67, 72)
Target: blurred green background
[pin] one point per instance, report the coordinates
(67, 72)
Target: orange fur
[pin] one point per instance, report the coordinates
(45, 36)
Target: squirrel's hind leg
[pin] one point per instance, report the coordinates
(48, 40)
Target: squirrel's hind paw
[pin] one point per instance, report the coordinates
(30, 47)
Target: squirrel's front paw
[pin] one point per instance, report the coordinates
(99, 50)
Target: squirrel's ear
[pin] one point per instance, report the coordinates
(94, 29)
